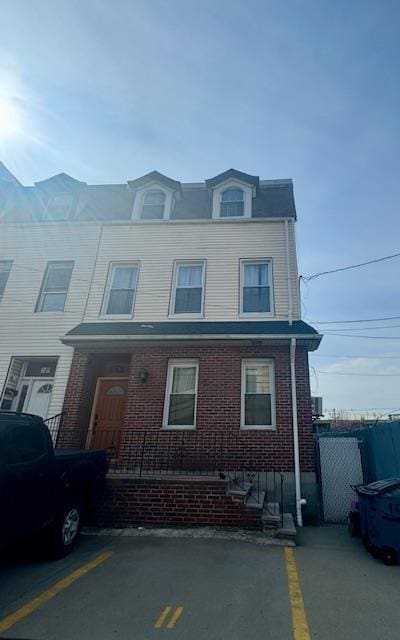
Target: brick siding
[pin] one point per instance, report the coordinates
(154, 502)
(218, 402)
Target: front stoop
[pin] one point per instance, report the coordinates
(272, 522)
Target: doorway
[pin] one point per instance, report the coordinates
(34, 396)
(108, 414)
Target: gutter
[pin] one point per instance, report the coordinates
(194, 336)
(299, 500)
(288, 273)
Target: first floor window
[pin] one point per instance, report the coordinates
(5, 268)
(188, 287)
(258, 402)
(256, 289)
(55, 286)
(181, 394)
(120, 290)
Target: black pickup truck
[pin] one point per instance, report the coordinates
(43, 491)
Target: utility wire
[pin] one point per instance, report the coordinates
(389, 326)
(352, 266)
(356, 373)
(320, 355)
(351, 321)
(347, 335)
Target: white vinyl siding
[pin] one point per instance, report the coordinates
(258, 394)
(219, 244)
(120, 291)
(54, 289)
(187, 289)
(24, 333)
(181, 394)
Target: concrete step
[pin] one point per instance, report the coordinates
(239, 490)
(288, 528)
(255, 499)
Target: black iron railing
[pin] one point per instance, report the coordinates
(54, 424)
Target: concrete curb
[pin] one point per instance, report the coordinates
(203, 533)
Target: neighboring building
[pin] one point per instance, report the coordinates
(157, 306)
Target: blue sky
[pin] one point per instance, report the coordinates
(303, 89)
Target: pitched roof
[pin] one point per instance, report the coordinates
(240, 329)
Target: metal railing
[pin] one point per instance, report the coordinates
(53, 424)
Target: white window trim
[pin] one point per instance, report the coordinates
(107, 289)
(259, 314)
(42, 292)
(10, 264)
(248, 194)
(271, 366)
(172, 364)
(139, 199)
(177, 264)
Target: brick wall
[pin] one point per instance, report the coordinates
(157, 502)
(219, 396)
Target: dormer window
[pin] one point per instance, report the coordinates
(153, 205)
(59, 207)
(232, 203)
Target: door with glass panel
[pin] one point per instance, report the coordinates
(108, 414)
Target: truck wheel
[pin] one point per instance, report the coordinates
(64, 532)
(389, 556)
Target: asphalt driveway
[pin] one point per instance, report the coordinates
(139, 588)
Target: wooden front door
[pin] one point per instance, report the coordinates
(108, 413)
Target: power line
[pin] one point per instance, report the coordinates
(388, 326)
(320, 355)
(348, 335)
(356, 373)
(351, 321)
(352, 266)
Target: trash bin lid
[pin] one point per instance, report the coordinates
(379, 487)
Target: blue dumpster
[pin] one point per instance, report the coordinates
(379, 507)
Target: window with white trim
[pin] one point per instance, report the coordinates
(258, 394)
(153, 205)
(119, 297)
(181, 394)
(188, 288)
(256, 287)
(5, 268)
(55, 286)
(59, 207)
(232, 203)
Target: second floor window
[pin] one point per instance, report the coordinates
(55, 286)
(188, 287)
(256, 287)
(232, 203)
(5, 268)
(153, 206)
(120, 290)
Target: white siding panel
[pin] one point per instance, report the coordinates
(23, 332)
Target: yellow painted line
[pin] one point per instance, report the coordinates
(160, 621)
(12, 619)
(175, 617)
(299, 619)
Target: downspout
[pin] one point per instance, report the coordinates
(288, 273)
(299, 500)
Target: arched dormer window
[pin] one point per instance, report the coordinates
(59, 207)
(232, 203)
(153, 205)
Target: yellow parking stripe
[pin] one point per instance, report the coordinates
(299, 619)
(160, 620)
(12, 619)
(175, 617)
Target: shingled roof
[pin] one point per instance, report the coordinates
(272, 199)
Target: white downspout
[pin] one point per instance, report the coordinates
(288, 273)
(299, 500)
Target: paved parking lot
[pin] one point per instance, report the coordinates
(141, 588)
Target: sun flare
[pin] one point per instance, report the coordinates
(10, 121)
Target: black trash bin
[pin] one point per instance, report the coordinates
(379, 505)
